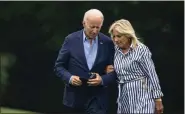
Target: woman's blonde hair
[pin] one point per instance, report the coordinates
(124, 27)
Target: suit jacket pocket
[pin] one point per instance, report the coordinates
(68, 96)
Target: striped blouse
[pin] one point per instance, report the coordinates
(137, 62)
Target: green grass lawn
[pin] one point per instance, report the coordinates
(5, 110)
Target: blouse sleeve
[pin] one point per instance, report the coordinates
(149, 70)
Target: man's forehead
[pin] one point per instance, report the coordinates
(94, 18)
(94, 24)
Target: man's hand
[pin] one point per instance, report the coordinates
(75, 80)
(158, 106)
(96, 81)
(109, 68)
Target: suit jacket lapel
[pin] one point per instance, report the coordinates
(81, 50)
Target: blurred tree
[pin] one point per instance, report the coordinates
(34, 31)
(7, 60)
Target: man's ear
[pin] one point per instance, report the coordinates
(83, 23)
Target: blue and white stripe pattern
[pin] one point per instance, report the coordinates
(138, 81)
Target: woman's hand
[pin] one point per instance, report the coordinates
(158, 106)
(109, 68)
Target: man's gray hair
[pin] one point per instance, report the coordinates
(91, 12)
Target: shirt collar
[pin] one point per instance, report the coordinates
(85, 37)
(131, 47)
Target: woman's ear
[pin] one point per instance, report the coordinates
(130, 39)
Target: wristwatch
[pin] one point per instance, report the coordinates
(158, 99)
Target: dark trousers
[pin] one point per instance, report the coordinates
(69, 110)
(91, 107)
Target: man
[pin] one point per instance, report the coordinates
(83, 53)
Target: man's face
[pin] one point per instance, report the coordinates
(92, 26)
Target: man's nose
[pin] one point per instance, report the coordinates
(95, 30)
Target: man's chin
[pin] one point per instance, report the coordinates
(93, 37)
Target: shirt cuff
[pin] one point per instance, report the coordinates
(157, 94)
(70, 80)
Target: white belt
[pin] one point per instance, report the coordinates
(120, 83)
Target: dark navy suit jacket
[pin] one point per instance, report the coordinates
(72, 61)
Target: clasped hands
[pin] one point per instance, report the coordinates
(75, 80)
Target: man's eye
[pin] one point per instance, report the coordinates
(94, 27)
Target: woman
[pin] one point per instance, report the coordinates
(139, 88)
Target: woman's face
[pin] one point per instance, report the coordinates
(120, 40)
